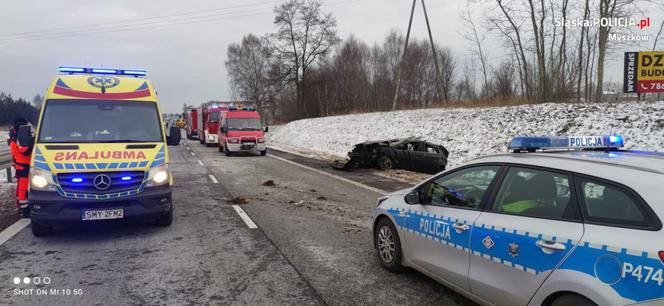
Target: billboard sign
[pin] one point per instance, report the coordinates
(644, 72)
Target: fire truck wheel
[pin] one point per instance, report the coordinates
(226, 151)
(41, 230)
(221, 148)
(264, 152)
(166, 219)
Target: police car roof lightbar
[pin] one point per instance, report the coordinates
(84, 70)
(531, 144)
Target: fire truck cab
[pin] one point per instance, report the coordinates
(208, 116)
(192, 123)
(242, 131)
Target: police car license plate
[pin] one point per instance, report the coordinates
(103, 214)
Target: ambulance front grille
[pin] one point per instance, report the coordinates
(84, 182)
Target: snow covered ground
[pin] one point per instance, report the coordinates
(470, 132)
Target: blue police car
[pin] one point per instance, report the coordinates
(557, 221)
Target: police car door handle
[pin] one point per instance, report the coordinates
(550, 246)
(460, 227)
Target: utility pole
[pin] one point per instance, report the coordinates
(403, 58)
(405, 51)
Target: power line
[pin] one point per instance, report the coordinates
(2, 36)
(141, 25)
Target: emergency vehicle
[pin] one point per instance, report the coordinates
(559, 221)
(242, 131)
(192, 123)
(99, 151)
(208, 118)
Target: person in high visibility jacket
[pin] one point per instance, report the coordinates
(21, 155)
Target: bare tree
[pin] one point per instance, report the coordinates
(503, 80)
(304, 35)
(447, 71)
(513, 34)
(474, 37)
(251, 71)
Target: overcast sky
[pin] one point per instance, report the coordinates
(186, 61)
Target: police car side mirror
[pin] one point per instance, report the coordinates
(413, 198)
(174, 136)
(25, 137)
(266, 129)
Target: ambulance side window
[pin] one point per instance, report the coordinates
(610, 204)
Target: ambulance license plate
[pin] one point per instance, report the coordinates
(103, 214)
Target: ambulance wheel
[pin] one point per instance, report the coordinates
(385, 163)
(41, 230)
(226, 151)
(571, 299)
(166, 219)
(388, 245)
(264, 152)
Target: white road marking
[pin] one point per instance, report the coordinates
(247, 220)
(13, 229)
(214, 179)
(188, 148)
(376, 190)
(200, 163)
(192, 153)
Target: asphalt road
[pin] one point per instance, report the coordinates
(313, 245)
(208, 256)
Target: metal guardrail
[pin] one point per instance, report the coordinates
(6, 162)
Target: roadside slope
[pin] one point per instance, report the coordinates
(471, 132)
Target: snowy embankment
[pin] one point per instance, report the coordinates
(471, 132)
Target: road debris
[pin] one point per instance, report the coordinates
(239, 200)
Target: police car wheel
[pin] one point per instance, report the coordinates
(572, 300)
(41, 230)
(166, 219)
(388, 245)
(385, 163)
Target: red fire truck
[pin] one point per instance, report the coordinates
(242, 131)
(192, 123)
(208, 119)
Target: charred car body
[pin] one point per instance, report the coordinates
(409, 154)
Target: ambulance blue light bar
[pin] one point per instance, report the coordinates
(528, 143)
(131, 72)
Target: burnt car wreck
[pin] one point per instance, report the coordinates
(408, 154)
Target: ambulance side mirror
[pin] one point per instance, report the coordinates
(25, 137)
(174, 136)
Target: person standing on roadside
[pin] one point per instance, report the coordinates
(21, 155)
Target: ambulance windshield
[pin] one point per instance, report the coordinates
(93, 121)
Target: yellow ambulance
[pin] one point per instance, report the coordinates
(100, 151)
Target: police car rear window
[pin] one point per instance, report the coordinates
(611, 204)
(536, 193)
